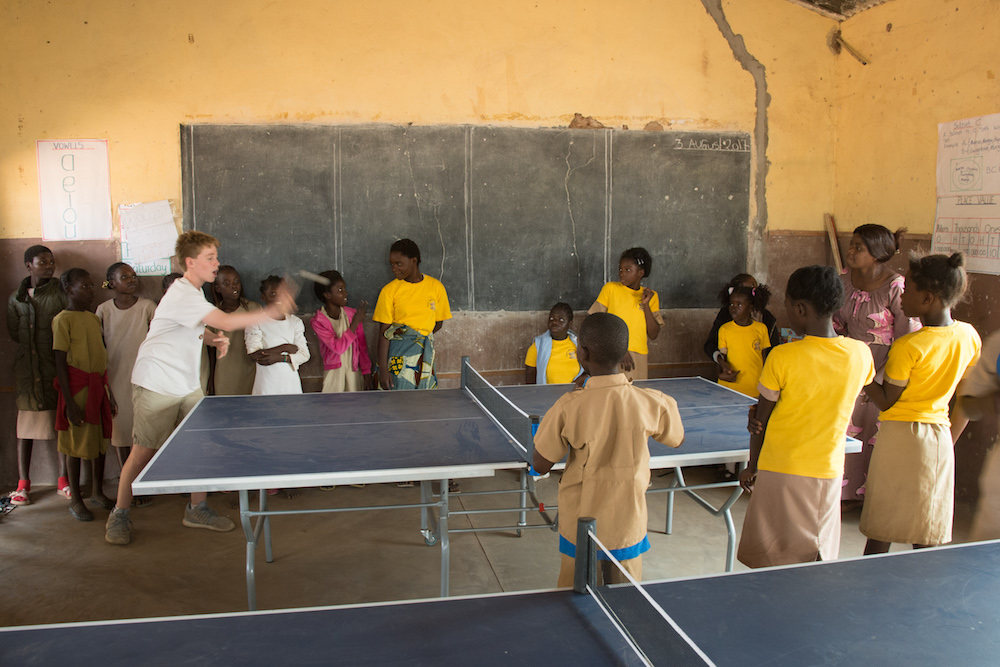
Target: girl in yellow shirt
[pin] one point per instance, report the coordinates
(409, 310)
(910, 495)
(638, 306)
(743, 342)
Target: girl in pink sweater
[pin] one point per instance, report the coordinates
(341, 334)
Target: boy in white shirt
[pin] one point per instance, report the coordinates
(166, 376)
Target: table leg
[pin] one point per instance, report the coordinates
(428, 522)
(268, 551)
(443, 536)
(522, 516)
(678, 480)
(250, 533)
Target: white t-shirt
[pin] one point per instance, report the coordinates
(169, 360)
(282, 377)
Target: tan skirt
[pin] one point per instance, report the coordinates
(641, 370)
(910, 492)
(40, 425)
(342, 379)
(791, 519)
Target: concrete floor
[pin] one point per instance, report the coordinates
(56, 569)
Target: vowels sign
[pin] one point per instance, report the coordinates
(74, 186)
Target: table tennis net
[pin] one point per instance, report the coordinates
(649, 630)
(515, 422)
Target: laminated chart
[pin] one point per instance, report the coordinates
(968, 192)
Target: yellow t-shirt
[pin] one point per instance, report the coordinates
(417, 305)
(929, 363)
(627, 304)
(743, 347)
(562, 367)
(814, 382)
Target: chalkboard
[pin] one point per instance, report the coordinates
(507, 218)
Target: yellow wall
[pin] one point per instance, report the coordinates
(131, 72)
(939, 62)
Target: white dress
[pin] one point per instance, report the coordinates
(282, 377)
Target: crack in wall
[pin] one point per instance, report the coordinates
(434, 207)
(569, 203)
(757, 225)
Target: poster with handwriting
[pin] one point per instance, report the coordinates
(74, 187)
(968, 192)
(148, 236)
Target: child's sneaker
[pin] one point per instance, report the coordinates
(202, 516)
(118, 530)
(19, 497)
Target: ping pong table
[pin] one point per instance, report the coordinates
(930, 607)
(245, 443)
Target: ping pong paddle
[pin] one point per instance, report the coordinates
(315, 277)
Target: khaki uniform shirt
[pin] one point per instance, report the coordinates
(604, 428)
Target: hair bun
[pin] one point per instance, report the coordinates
(957, 260)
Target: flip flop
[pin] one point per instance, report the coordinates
(65, 492)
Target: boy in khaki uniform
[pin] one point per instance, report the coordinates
(604, 427)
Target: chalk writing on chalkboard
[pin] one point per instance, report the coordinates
(507, 218)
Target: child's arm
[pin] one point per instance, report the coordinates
(284, 304)
(726, 371)
(114, 403)
(300, 354)
(541, 464)
(763, 415)
(652, 326)
(384, 376)
(329, 338)
(73, 413)
(884, 395)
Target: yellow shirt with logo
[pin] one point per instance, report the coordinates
(743, 347)
(814, 383)
(562, 367)
(626, 303)
(929, 363)
(419, 306)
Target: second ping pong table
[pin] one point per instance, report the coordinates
(246, 443)
(929, 607)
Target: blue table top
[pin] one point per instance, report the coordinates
(253, 442)
(935, 607)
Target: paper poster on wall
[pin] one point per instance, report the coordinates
(148, 236)
(968, 191)
(970, 225)
(74, 185)
(969, 156)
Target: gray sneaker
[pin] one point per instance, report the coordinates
(119, 528)
(202, 516)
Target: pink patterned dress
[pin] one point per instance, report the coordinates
(875, 318)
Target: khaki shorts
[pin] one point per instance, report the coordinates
(157, 415)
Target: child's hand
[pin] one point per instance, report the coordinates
(220, 342)
(747, 479)
(385, 379)
(369, 381)
(727, 373)
(114, 405)
(73, 413)
(753, 425)
(360, 315)
(627, 363)
(647, 296)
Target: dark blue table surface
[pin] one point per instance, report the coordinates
(932, 607)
